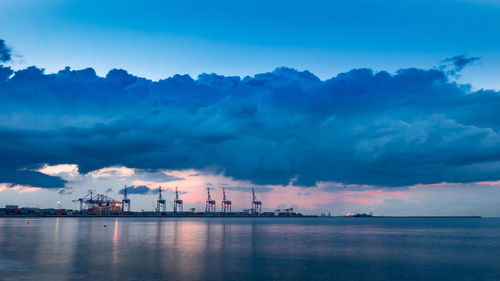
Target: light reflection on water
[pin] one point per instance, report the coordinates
(249, 249)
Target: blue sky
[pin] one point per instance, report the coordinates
(373, 110)
(156, 39)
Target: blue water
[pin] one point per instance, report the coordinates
(249, 249)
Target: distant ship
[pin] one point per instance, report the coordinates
(363, 215)
(358, 215)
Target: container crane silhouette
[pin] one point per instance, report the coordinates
(226, 204)
(210, 204)
(87, 198)
(161, 204)
(100, 203)
(256, 205)
(178, 204)
(125, 201)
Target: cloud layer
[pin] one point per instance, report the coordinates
(5, 51)
(141, 189)
(359, 127)
(31, 178)
(457, 63)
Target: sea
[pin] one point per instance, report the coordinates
(249, 248)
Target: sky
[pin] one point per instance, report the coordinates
(325, 106)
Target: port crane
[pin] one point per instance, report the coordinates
(256, 205)
(85, 199)
(161, 204)
(99, 202)
(210, 204)
(226, 204)
(125, 201)
(178, 204)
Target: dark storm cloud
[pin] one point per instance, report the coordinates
(5, 52)
(458, 63)
(164, 190)
(65, 191)
(140, 189)
(31, 178)
(154, 175)
(249, 189)
(359, 127)
(462, 61)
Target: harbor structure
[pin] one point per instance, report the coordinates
(84, 199)
(161, 204)
(93, 204)
(178, 204)
(99, 203)
(256, 205)
(125, 201)
(210, 204)
(226, 204)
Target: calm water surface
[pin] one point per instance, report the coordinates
(249, 249)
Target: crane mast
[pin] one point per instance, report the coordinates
(226, 204)
(178, 203)
(256, 205)
(210, 204)
(161, 204)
